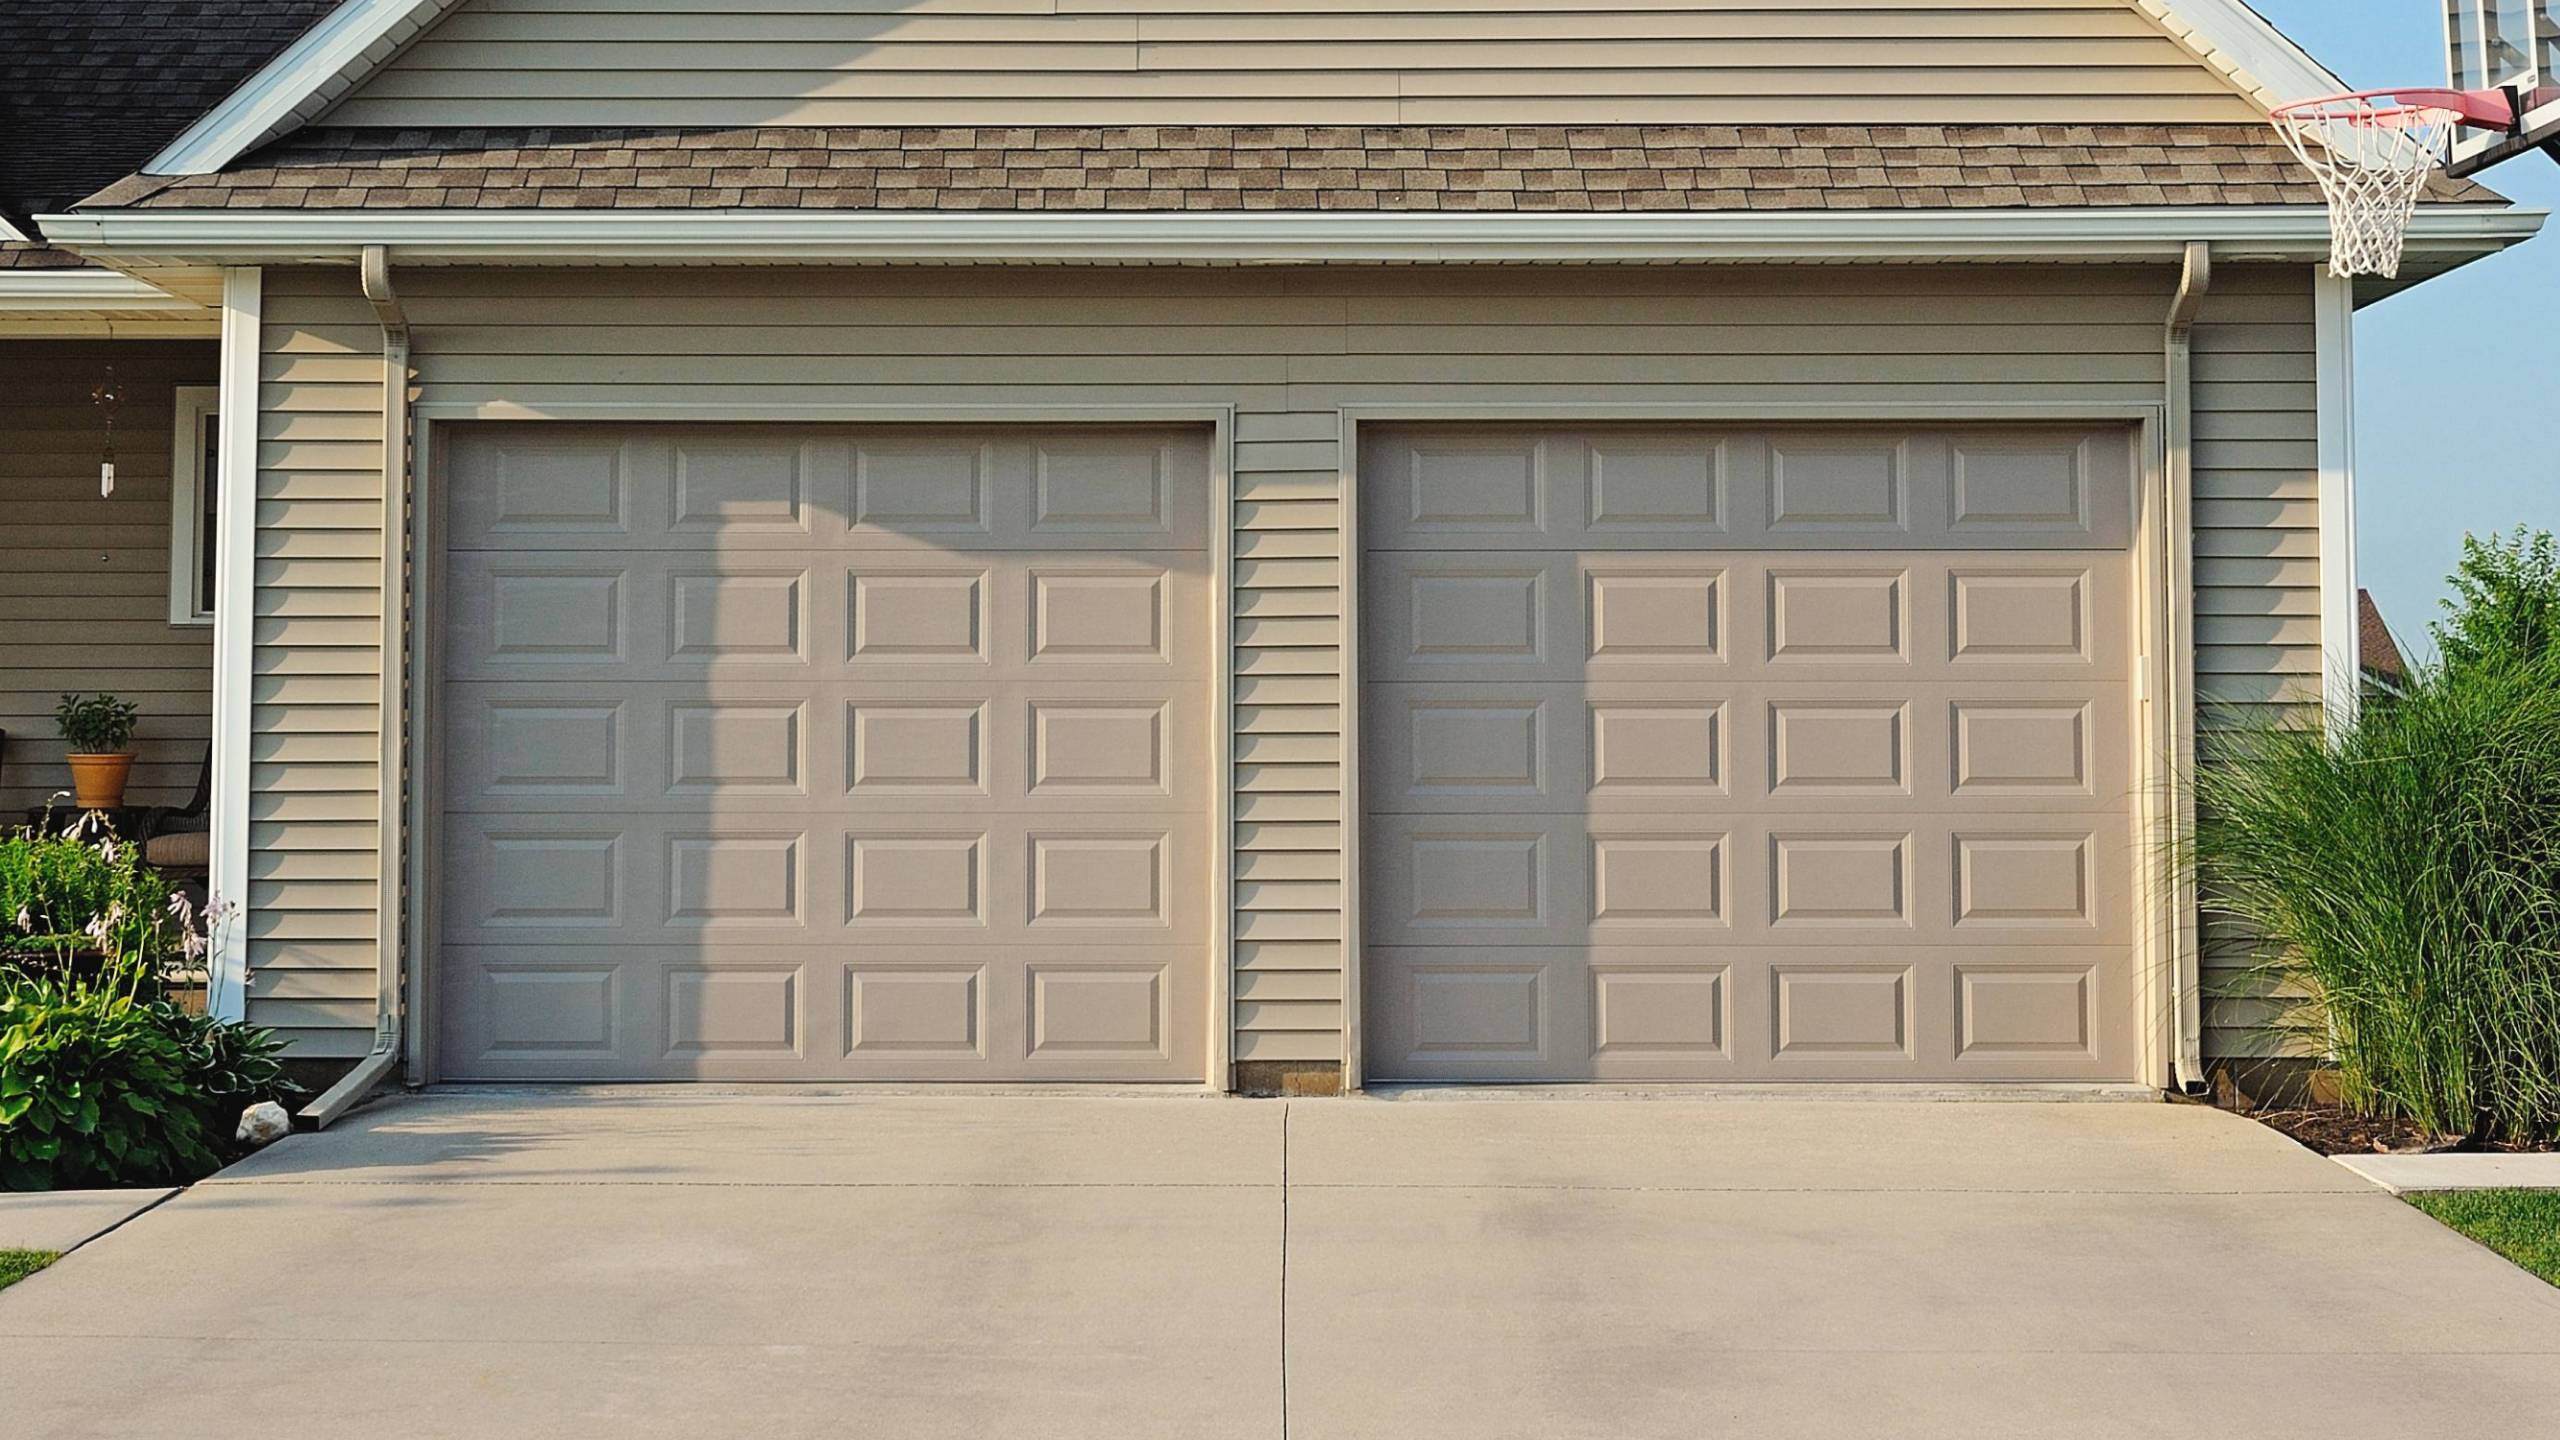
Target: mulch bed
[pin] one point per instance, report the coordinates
(2332, 1131)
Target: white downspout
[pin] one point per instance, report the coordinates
(388, 928)
(2175, 682)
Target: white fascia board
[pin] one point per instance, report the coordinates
(330, 59)
(2261, 58)
(52, 291)
(571, 237)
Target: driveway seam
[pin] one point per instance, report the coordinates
(1284, 1270)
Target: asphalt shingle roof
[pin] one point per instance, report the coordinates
(91, 89)
(1260, 167)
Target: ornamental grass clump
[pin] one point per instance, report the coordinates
(2404, 872)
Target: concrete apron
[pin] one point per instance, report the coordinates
(628, 1264)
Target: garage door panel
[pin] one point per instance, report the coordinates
(565, 616)
(1608, 747)
(615, 877)
(1605, 1013)
(825, 752)
(734, 488)
(1125, 1013)
(1045, 746)
(1835, 787)
(1707, 488)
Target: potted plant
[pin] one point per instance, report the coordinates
(99, 731)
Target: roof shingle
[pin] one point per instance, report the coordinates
(1259, 167)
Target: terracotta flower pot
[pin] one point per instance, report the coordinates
(97, 781)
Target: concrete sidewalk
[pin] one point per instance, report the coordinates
(705, 1264)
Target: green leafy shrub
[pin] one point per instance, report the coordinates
(61, 899)
(97, 724)
(104, 1078)
(2405, 871)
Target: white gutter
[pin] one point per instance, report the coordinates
(391, 869)
(2240, 233)
(54, 291)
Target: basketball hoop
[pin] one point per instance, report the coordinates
(2372, 152)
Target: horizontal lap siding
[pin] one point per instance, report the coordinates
(84, 578)
(1285, 348)
(316, 686)
(1122, 62)
(2257, 569)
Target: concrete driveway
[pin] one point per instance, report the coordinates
(653, 1263)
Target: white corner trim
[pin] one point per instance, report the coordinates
(53, 291)
(2262, 59)
(227, 972)
(12, 232)
(331, 58)
(2334, 308)
(2239, 233)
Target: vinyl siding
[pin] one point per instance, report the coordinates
(1286, 349)
(316, 690)
(2257, 569)
(1344, 62)
(84, 580)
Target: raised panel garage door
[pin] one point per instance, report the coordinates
(795, 752)
(1746, 753)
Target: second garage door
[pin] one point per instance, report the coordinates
(798, 752)
(1702, 753)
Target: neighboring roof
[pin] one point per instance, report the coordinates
(1267, 167)
(2377, 652)
(334, 58)
(21, 255)
(91, 89)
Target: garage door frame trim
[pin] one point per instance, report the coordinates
(2165, 965)
(425, 656)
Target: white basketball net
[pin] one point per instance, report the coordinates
(2372, 159)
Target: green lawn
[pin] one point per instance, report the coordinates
(2523, 1225)
(17, 1265)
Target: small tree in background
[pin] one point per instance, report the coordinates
(2506, 604)
(2404, 871)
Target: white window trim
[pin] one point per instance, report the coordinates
(197, 405)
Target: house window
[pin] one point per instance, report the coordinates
(195, 491)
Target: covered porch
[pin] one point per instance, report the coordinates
(110, 488)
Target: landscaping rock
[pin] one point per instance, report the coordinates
(264, 1123)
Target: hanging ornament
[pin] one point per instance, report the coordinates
(105, 396)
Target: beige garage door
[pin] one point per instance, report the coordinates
(777, 753)
(1698, 754)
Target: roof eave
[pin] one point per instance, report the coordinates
(2442, 235)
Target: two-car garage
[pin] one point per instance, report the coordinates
(1686, 752)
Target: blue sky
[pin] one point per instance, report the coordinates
(2445, 442)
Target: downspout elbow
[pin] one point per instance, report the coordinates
(374, 271)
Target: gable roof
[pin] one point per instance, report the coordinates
(91, 89)
(339, 55)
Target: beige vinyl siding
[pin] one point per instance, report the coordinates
(1344, 62)
(2257, 567)
(84, 580)
(1286, 348)
(316, 687)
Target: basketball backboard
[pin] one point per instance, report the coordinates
(2509, 45)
